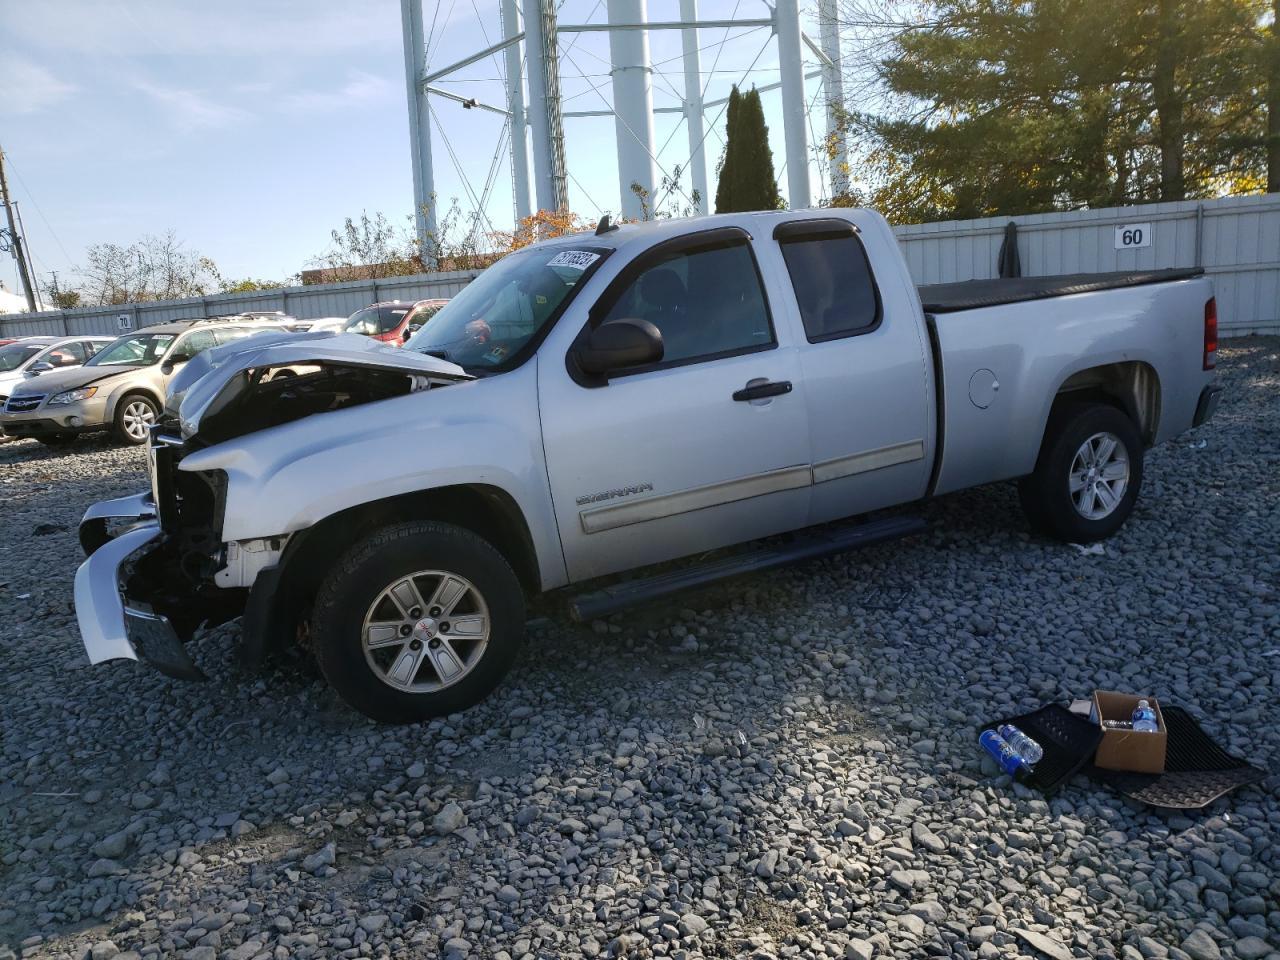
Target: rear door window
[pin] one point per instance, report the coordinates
(833, 284)
(197, 342)
(66, 355)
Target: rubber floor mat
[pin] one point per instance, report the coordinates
(1196, 770)
(1068, 742)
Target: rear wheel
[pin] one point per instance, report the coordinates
(418, 620)
(135, 414)
(1088, 475)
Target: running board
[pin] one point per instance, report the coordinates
(805, 546)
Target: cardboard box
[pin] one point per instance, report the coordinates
(1129, 750)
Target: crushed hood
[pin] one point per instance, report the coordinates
(216, 379)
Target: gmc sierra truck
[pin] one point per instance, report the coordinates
(606, 402)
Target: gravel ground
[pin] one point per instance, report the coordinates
(784, 766)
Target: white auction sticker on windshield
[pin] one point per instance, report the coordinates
(578, 259)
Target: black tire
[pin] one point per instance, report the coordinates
(374, 564)
(57, 439)
(119, 429)
(1046, 495)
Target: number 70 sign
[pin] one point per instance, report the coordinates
(1133, 235)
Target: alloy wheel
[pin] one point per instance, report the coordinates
(1099, 476)
(425, 631)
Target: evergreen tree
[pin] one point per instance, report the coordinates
(1019, 106)
(746, 167)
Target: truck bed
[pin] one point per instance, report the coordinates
(971, 294)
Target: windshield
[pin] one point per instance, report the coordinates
(374, 320)
(138, 350)
(14, 355)
(502, 310)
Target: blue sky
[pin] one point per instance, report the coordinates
(253, 127)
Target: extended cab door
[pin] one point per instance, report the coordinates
(865, 365)
(707, 448)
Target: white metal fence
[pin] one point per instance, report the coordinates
(1236, 240)
(320, 300)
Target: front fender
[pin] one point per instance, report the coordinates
(290, 477)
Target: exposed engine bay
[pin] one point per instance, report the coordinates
(267, 397)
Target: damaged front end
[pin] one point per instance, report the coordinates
(158, 569)
(148, 583)
(271, 379)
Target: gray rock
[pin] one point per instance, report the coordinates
(692, 925)
(112, 846)
(1049, 946)
(1252, 948)
(373, 922)
(449, 820)
(326, 856)
(1200, 946)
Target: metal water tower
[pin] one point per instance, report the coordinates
(533, 106)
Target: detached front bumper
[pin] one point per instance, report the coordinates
(112, 625)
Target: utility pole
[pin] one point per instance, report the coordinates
(15, 239)
(424, 184)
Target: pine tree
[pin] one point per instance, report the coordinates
(746, 167)
(1022, 106)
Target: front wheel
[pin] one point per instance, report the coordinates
(418, 620)
(135, 414)
(1088, 475)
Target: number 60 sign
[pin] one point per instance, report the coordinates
(1133, 235)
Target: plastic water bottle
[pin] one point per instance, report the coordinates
(1144, 718)
(1030, 751)
(1005, 756)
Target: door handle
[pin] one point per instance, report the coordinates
(759, 391)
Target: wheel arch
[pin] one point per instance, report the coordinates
(1132, 386)
(486, 510)
(129, 390)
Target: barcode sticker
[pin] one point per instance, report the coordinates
(577, 259)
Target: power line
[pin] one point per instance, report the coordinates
(32, 197)
(708, 46)
(599, 209)
(724, 106)
(462, 175)
(656, 161)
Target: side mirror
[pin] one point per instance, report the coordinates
(44, 366)
(622, 343)
(172, 361)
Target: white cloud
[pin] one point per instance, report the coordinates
(189, 109)
(29, 87)
(360, 89)
(228, 28)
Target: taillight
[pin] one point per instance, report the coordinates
(1210, 333)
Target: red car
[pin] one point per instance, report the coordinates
(392, 322)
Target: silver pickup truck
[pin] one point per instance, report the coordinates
(607, 402)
